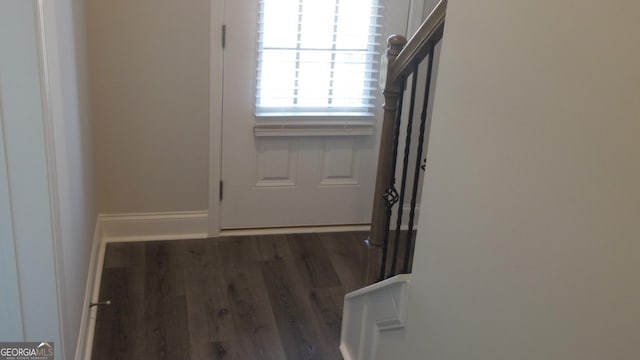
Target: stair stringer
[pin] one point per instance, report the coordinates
(369, 313)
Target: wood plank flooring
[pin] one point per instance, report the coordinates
(250, 297)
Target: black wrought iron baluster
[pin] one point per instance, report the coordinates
(416, 176)
(405, 165)
(391, 195)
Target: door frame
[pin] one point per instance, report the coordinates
(216, 69)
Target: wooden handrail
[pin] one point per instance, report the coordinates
(429, 33)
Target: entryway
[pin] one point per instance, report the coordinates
(283, 168)
(267, 297)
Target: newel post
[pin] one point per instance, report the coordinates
(381, 212)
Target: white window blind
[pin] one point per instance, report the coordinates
(318, 57)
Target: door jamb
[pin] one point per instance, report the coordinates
(216, 64)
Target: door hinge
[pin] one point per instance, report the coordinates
(224, 36)
(221, 187)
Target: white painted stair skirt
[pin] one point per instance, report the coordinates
(371, 312)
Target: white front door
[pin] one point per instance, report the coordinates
(291, 171)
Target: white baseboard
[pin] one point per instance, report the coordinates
(295, 230)
(87, 321)
(155, 226)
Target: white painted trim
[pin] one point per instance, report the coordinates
(295, 230)
(96, 278)
(215, 114)
(312, 132)
(345, 127)
(369, 311)
(154, 226)
(95, 295)
(46, 42)
(91, 293)
(415, 16)
(402, 278)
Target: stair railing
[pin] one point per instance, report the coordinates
(402, 59)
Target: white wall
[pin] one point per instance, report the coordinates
(67, 58)
(149, 71)
(26, 181)
(10, 307)
(529, 238)
(429, 5)
(47, 212)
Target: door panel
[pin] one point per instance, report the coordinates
(277, 162)
(340, 161)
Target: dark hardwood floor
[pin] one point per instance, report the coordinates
(250, 297)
